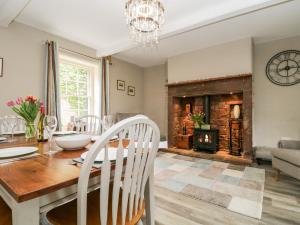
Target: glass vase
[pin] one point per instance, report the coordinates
(30, 130)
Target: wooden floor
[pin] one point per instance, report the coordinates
(281, 206)
(222, 156)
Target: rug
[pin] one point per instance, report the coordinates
(237, 188)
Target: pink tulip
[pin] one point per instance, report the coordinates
(19, 101)
(10, 103)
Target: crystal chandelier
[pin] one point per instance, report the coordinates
(144, 18)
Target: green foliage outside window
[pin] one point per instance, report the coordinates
(74, 81)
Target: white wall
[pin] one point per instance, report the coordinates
(276, 108)
(22, 48)
(133, 76)
(155, 96)
(232, 58)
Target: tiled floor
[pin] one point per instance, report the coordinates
(178, 203)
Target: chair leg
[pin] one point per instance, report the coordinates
(149, 199)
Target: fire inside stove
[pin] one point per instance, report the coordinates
(206, 140)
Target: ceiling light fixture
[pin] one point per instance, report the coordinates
(144, 19)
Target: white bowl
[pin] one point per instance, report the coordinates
(73, 142)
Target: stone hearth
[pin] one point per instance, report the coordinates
(225, 92)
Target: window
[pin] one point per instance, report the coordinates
(77, 84)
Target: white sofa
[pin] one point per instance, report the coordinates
(286, 158)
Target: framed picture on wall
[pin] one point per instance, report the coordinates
(1, 67)
(120, 85)
(131, 91)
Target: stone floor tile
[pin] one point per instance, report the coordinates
(206, 195)
(246, 207)
(233, 173)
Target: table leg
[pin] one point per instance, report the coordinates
(149, 199)
(26, 213)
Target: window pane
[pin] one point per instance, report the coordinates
(82, 75)
(82, 89)
(74, 87)
(71, 90)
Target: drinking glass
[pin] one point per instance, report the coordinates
(107, 122)
(10, 122)
(50, 124)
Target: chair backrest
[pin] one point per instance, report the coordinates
(131, 176)
(89, 124)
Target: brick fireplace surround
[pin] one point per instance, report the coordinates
(224, 91)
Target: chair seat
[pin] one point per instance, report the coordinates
(5, 213)
(67, 214)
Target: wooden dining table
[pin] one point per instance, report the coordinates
(40, 183)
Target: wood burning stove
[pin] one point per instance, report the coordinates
(207, 140)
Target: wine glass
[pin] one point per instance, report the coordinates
(10, 122)
(50, 124)
(107, 122)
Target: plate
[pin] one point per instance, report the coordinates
(73, 142)
(15, 132)
(95, 138)
(61, 133)
(3, 139)
(112, 154)
(16, 151)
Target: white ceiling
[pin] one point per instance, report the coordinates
(264, 25)
(190, 24)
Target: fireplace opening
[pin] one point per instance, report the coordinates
(230, 114)
(222, 132)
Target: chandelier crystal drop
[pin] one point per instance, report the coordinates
(144, 19)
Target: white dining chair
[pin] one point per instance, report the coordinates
(89, 124)
(126, 186)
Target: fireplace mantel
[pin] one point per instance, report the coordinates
(239, 84)
(180, 83)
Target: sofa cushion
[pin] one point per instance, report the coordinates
(288, 155)
(290, 144)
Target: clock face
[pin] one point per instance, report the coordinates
(284, 68)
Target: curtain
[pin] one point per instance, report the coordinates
(52, 95)
(104, 83)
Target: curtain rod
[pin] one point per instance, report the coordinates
(78, 53)
(95, 58)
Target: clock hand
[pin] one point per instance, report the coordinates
(290, 67)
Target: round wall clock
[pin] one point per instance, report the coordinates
(284, 68)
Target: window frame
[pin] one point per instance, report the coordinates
(93, 68)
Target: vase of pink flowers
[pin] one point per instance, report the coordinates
(28, 109)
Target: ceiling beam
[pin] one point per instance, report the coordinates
(192, 23)
(10, 9)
